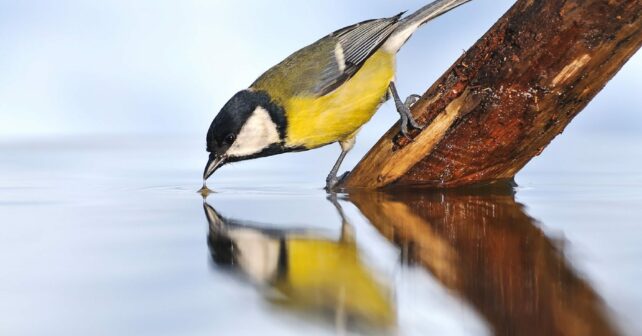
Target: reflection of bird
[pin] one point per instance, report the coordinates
(306, 271)
(319, 95)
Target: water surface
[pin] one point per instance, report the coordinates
(108, 236)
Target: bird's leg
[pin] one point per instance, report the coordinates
(347, 230)
(404, 110)
(332, 180)
(340, 316)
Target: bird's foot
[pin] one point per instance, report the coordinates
(333, 181)
(403, 108)
(406, 117)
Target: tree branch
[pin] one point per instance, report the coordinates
(508, 96)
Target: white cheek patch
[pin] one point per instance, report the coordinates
(256, 253)
(258, 132)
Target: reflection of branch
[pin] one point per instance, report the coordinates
(483, 246)
(509, 95)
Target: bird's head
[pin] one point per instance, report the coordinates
(250, 125)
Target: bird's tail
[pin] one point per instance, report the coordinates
(410, 23)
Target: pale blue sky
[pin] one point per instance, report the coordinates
(150, 66)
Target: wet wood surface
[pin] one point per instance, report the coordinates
(508, 96)
(483, 246)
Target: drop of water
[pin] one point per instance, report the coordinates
(205, 191)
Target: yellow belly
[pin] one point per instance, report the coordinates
(318, 121)
(327, 274)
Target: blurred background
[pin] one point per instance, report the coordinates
(104, 107)
(167, 67)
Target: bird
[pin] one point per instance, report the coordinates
(321, 94)
(302, 269)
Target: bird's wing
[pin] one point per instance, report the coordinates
(326, 64)
(354, 45)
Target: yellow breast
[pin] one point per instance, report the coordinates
(318, 121)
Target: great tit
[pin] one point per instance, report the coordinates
(319, 95)
(303, 270)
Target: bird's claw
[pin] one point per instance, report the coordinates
(412, 100)
(415, 124)
(332, 181)
(406, 117)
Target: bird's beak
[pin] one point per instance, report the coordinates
(214, 162)
(213, 218)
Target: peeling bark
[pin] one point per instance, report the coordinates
(509, 95)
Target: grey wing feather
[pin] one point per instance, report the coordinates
(354, 45)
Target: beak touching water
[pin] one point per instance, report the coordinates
(214, 162)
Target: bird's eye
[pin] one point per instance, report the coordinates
(229, 139)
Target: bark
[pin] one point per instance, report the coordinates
(481, 245)
(509, 95)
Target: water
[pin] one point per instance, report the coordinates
(108, 236)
